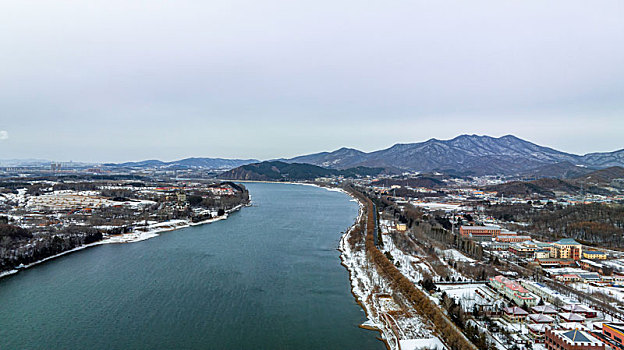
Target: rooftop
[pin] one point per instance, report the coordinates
(567, 241)
(595, 252)
(480, 227)
(515, 311)
(578, 337)
(540, 318)
(544, 309)
(569, 316)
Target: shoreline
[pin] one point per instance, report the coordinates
(369, 324)
(157, 229)
(356, 278)
(347, 258)
(132, 237)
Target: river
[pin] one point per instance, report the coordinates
(268, 277)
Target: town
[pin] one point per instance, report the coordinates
(436, 261)
(47, 212)
(516, 271)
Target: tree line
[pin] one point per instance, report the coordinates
(420, 301)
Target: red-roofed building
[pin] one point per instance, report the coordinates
(540, 318)
(537, 331)
(580, 309)
(514, 314)
(544, 309)
(513, 290)
(615, 332)
(571, 317)
(479, 232)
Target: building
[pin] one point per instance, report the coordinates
(479, 232)
(514, 314)
(547, 294)
(401, 227)
(614, 332)
(512, 239)
(544, 310)
(569, 317)
(590, 277)
(513, 291)
(580, 309)
(537, 331)
(547, 246)
(540, 318)
(523, 250)
(568, 249)
(571, 340)
(555, 262)
(594, 255)
(590, 265)
(568, 278)
(499, 246)
(542, 254)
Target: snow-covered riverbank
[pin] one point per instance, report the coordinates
(404, 330)
(146, 232)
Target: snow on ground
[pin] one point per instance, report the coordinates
(372, 291)
(614, 292)
(453, 254)
(416, 344)
(410, 266)
(471, 294)
(147, 232)
(7, 273)
(438, 206)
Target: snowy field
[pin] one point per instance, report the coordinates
(453, 254)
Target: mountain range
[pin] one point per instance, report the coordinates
(464, 155)
(468, 155)
(204, 163)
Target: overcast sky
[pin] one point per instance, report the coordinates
(129, 80)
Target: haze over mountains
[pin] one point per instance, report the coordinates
(208, 163)
(471, 155)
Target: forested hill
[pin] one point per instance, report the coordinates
(282, 171)
(602, 176)
(594, 223)
(538, 188)
(593, 182)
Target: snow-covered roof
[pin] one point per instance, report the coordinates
(516, 311)
(541, 318)
(570, 316)
(544, 309)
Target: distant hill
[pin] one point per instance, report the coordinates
(465, 155)
(604, 159)
(282, 171)
(602, 176)
(563, 170)
(205, 163)
(331, 159)
(543, 188)
(421, 181)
